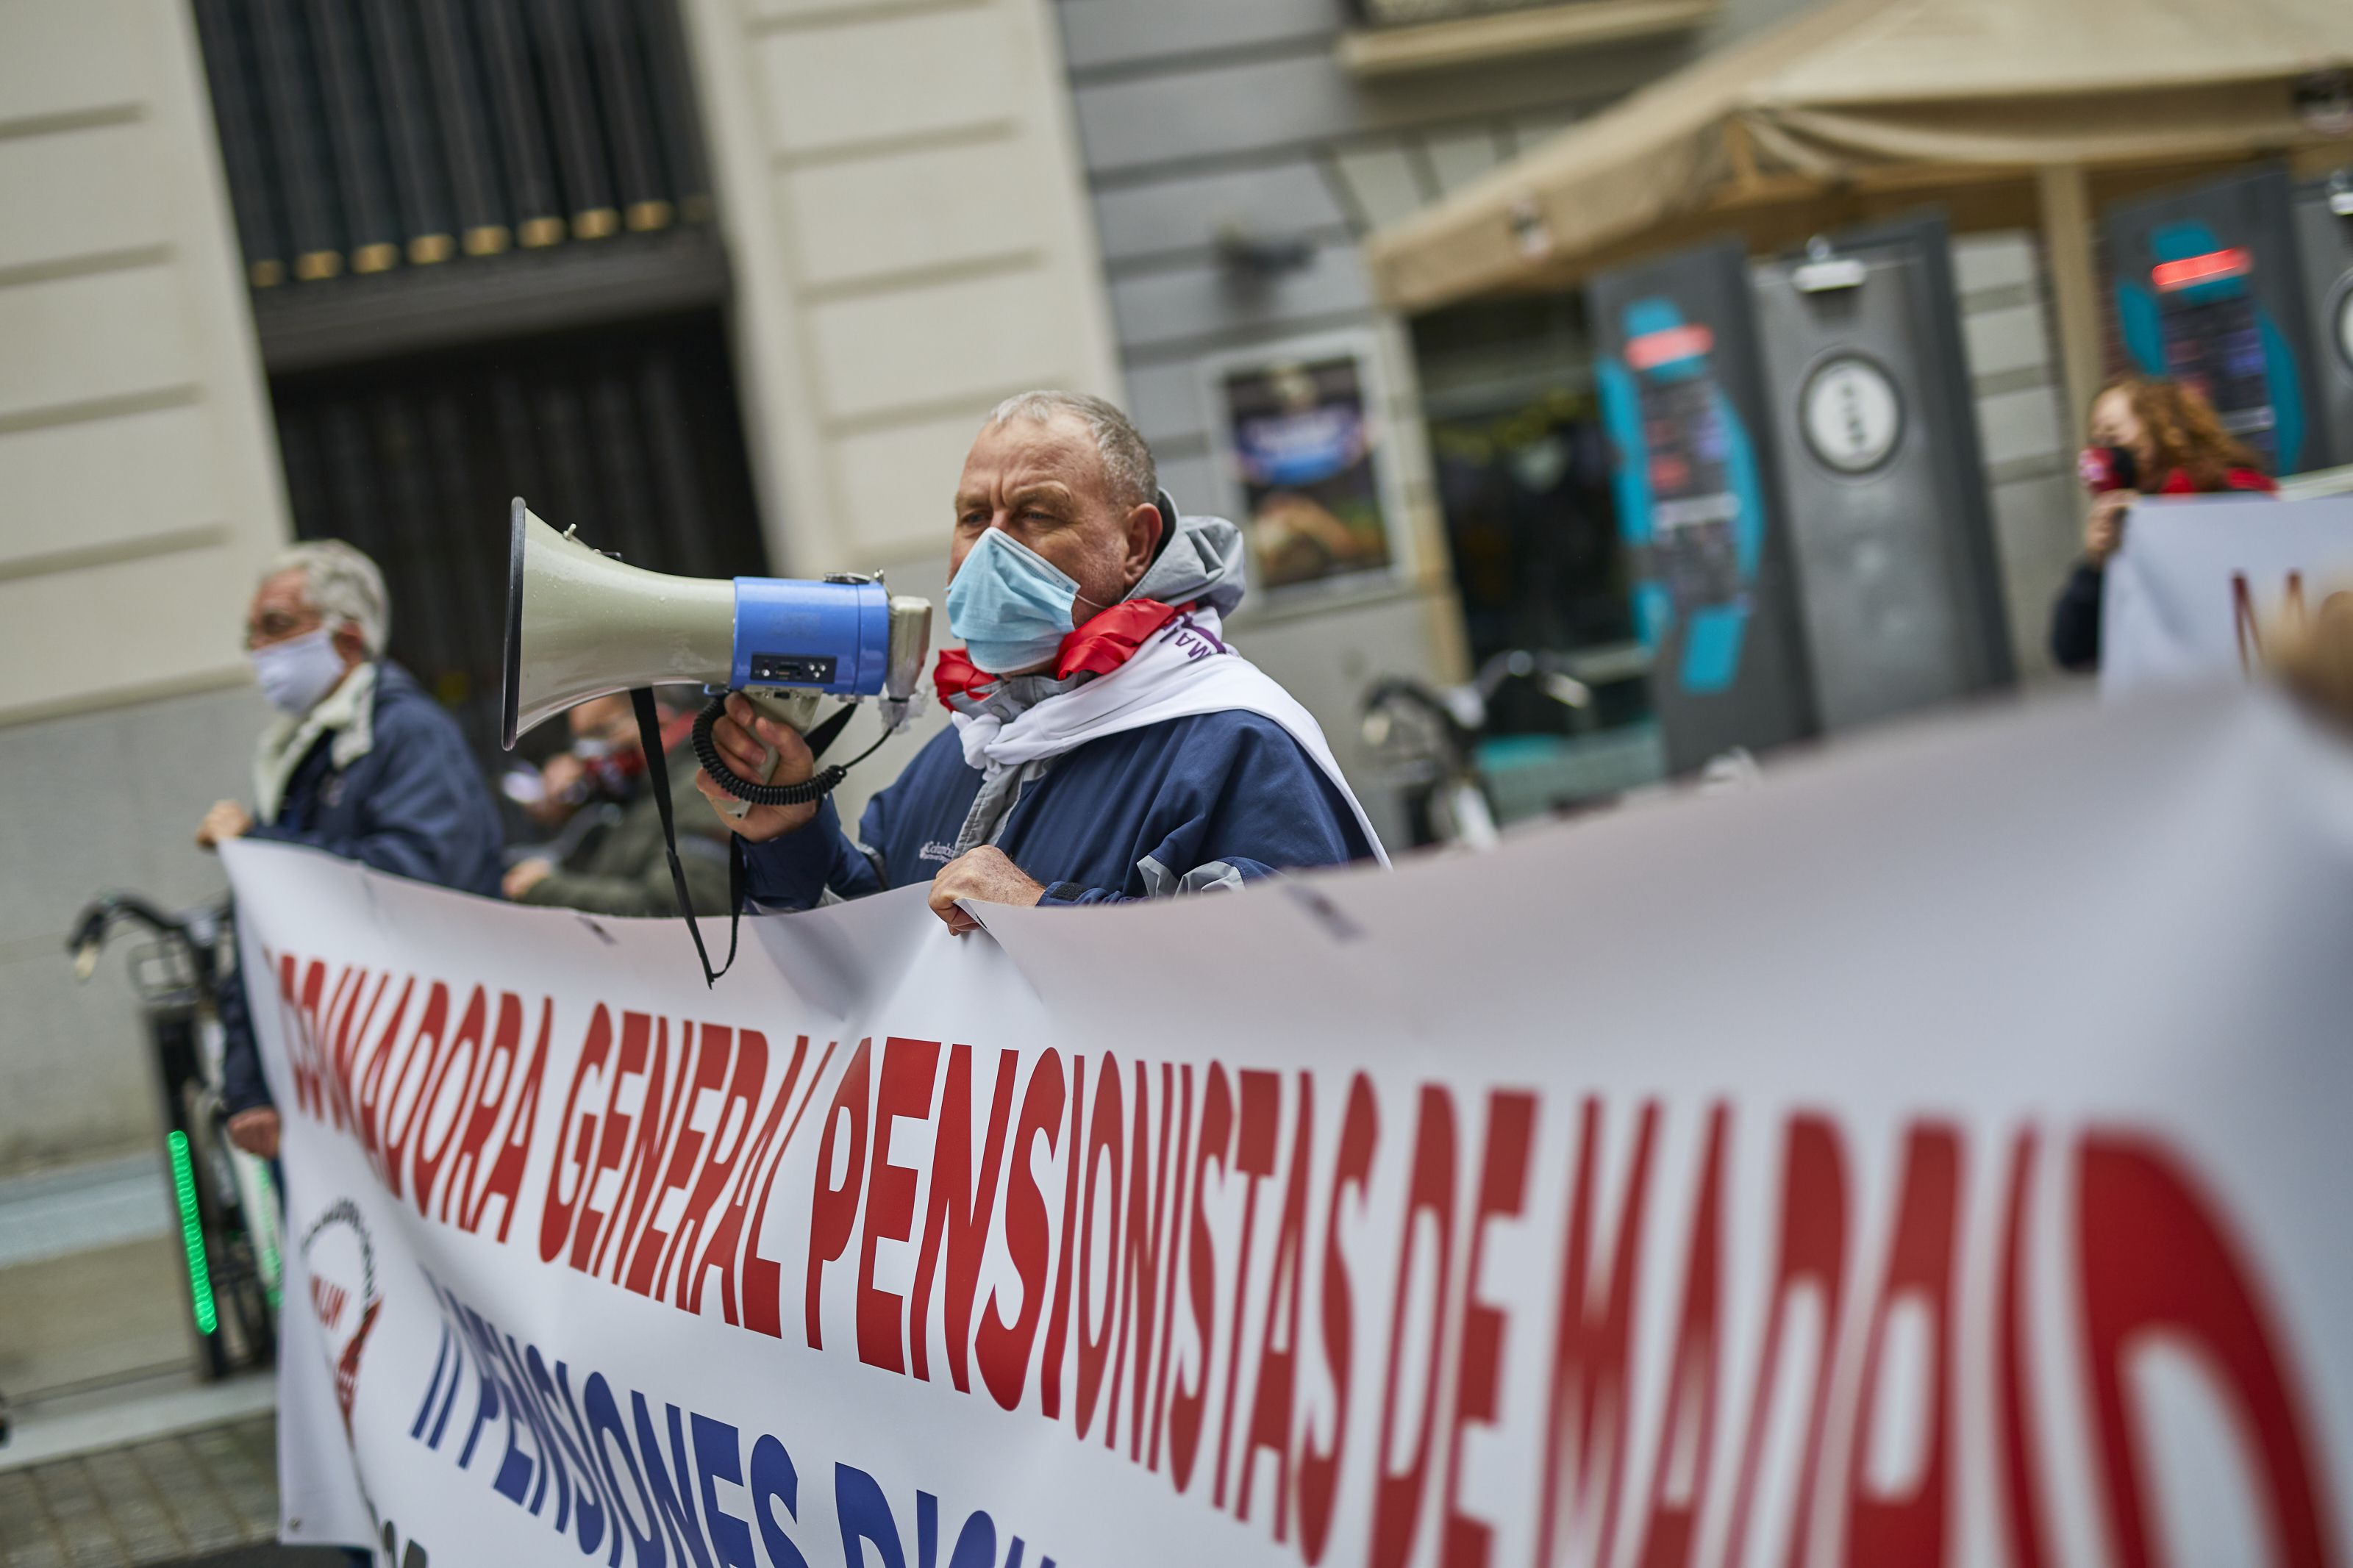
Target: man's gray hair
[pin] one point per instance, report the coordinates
(1128, 469)
(342, 584)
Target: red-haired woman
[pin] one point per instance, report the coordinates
(2149, 436)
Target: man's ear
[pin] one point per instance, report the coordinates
(348, 646)
(1146, 528)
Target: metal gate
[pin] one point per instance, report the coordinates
(2324, 241)
(1882, 481)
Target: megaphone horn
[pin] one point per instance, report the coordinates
(581, 623)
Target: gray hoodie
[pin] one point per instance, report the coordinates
(1202, 559)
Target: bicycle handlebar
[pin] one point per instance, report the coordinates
(101, 914)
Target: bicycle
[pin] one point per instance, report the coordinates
(1429, 738)
(223, 1204)
(1438, 747)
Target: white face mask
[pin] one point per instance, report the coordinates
(296, 674)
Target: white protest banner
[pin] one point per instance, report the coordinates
(1934, 1155)
(2201, 581)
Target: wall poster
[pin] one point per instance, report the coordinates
(1303, 443)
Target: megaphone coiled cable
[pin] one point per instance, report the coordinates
(814, 788)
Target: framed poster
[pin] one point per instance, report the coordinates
(1301, 443)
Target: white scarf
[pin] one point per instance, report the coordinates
(1184, 671)
(349, 710)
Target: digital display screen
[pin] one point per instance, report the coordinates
(1691, 507)
(2214, 344)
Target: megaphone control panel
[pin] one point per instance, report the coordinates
(832, 637)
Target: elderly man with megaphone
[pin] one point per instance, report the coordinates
(1108, 744)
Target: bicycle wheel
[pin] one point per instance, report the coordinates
(244, 1333)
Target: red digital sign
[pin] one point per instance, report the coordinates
(1667, 345)
(2172, 277)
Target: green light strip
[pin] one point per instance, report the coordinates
(270, 1266)
(192, 1234)
(258, 1196)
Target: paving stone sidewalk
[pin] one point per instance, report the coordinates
(209, 1496)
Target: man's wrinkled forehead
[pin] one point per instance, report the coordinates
(285, 593)
(1025, 456)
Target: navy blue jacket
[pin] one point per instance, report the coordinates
(1217, 798)
(2075, 619)
(415, 806)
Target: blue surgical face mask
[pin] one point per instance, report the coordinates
(1010, 605)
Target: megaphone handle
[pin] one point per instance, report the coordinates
(736, 810)
(792, 708)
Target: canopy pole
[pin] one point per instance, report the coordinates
(2066, 203)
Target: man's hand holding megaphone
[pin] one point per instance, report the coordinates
(748, 740)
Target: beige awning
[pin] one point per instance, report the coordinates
(1864, 102)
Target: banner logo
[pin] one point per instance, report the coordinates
(341, 1260)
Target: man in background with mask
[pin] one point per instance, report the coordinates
(618, 865)
(1108, 745)
(360, 763)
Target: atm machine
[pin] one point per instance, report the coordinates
(2323, 215)
(1882, 478)
(1714, 580)
(2209, 289)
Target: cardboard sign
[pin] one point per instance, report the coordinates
(2201, 581)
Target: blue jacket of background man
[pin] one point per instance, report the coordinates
(1209, 801)
(413, 804)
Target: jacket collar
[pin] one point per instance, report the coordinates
(347, 713)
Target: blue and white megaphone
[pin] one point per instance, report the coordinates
(581, 623)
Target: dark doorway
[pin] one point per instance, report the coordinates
(630, 433)
(478, 236)
(1523, 479)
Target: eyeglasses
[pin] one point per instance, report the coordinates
(277, 626)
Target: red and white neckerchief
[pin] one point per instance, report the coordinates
(1106, 642)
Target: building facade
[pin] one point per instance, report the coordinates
(142, 496)
(899, 211)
